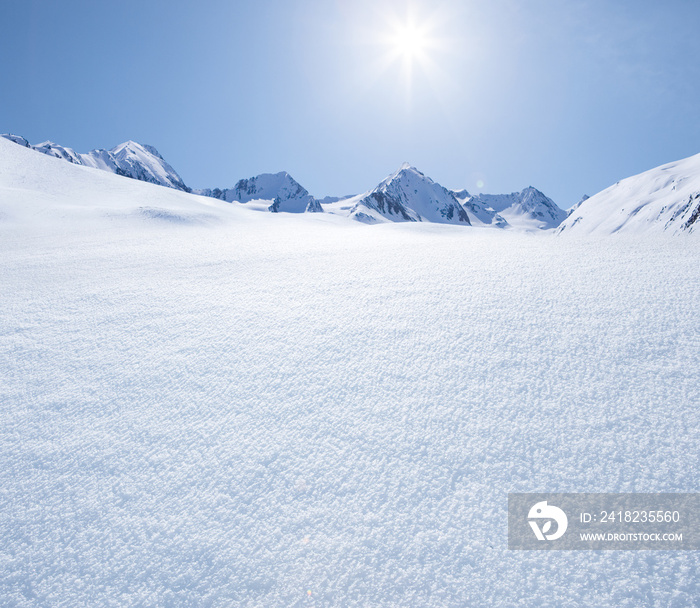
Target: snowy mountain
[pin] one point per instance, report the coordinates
(18, 139)
(37, 192)
(329, 200)
(137, 161)
(405, 196)
(279, 192)
(527, 209)
(666, 198)
(129, 159)
(479, 214)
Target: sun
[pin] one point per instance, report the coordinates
(409, 41)
(410, 49)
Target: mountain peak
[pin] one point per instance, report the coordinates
(409, 168)
(129, 159)
(134, 147)
(410, 196)
(280, 192)
(129, 143)
(18, 139)
(529, 208)
(405, 173)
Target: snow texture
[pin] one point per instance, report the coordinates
(203, 405)
(666, 198)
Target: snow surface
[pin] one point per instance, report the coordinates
(203, 405)
(666, 198)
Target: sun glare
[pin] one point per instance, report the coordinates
(411, 49)
(409, 41)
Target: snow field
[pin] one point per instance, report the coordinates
(238, 415)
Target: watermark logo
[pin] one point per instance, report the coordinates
(603, 522)
(547, 514)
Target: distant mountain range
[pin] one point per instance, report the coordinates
(284, 192)
(665, 198)
(129, 159)
(405, 196)
(529, 208)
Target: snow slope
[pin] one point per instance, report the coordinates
(666, 198)
(129, 159)
(529, 209)
(573, 208)
(204, 405)
(276, 191)
(43, 191)
(405, 196)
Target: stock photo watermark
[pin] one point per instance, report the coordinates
(604, 521)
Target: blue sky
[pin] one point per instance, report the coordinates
(566, 95)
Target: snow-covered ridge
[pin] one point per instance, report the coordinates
(584, 198)
(529, 208)
(129, 159)
(407, 195)
(280, 191)
(37, 192)
(663, 199)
